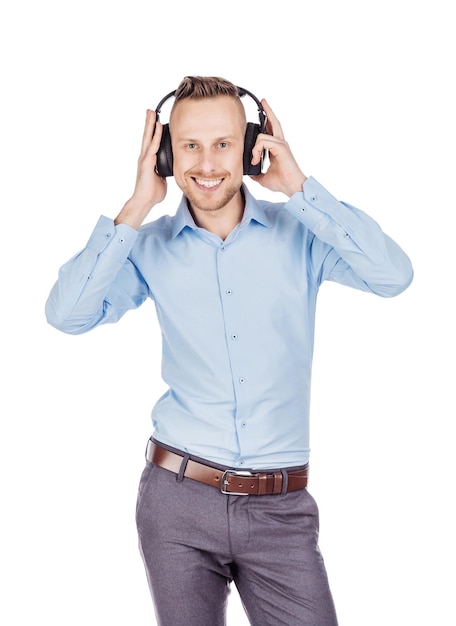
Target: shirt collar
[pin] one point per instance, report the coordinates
(182, 218)
(253, 210)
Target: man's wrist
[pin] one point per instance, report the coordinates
(296, 186)
(133, 213)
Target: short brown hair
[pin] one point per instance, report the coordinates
(205, 87)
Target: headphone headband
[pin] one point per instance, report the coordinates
(162, 102)
(241, 91)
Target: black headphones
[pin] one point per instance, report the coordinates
(164, 166)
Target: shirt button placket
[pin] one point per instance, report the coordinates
(235, 345)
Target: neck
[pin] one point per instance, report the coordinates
(220, 221)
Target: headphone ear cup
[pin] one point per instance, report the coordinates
(251, 134)
(164, 166)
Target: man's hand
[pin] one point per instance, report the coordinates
(150, 189)
(283, 173)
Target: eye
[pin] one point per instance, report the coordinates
(191, 146)
(223, 144)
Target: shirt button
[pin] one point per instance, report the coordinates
(242, 380)
(313, 197)
(107, 235)
(234, 336)
(229, 292)
(122, 240)
(244, 424)
(303, 209)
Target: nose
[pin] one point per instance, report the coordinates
(207, 161)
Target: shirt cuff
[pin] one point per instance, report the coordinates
(313, 204)
(111, 240)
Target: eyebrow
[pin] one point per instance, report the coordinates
(193, 140)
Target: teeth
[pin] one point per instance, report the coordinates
(208, 183)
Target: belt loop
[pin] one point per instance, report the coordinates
(180, 475)
(284, 481)
(277, 484)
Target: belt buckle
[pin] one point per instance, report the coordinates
(232, 472)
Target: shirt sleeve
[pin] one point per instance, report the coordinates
(99, 284)
(352, 247)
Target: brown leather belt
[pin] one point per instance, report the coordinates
(230, 481)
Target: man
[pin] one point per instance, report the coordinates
(223, 495)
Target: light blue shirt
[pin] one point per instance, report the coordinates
(236, 316)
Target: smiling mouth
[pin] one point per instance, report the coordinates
(208, 183)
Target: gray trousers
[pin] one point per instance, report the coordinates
(195, 541)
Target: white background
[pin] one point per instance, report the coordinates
(364, 91)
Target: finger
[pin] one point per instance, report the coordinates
(273, 124)
(148, 131)
(273, 145)
(257, 151)
(158, 131)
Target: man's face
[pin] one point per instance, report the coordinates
(207, 137)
